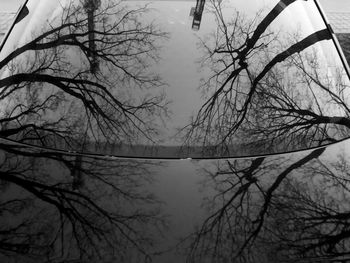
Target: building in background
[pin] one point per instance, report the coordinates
(340, 22)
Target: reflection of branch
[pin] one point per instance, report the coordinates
(236, 226)
(124, 46)
(314, 213)
(315, 118)
(77, 88)
(228, 108)
(268, 195)
(312, 113)
(298, 47)
(99, 216)
(268, 19)
(336, 97)
(219, 225)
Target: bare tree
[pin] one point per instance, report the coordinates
(52, 95)
(275, 209)
(317, 114)
(266, 87)
(84, 78)
(315, 214)
(241, 210)
(46, 216)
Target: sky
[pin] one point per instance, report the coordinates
(10, 5)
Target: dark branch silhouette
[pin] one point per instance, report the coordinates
(103, 217)
(267, 89)
(276, 209)
(53, 96)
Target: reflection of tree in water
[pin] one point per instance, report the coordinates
(45, 217)
(276, 209)
(268, 87)
(53, 96)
